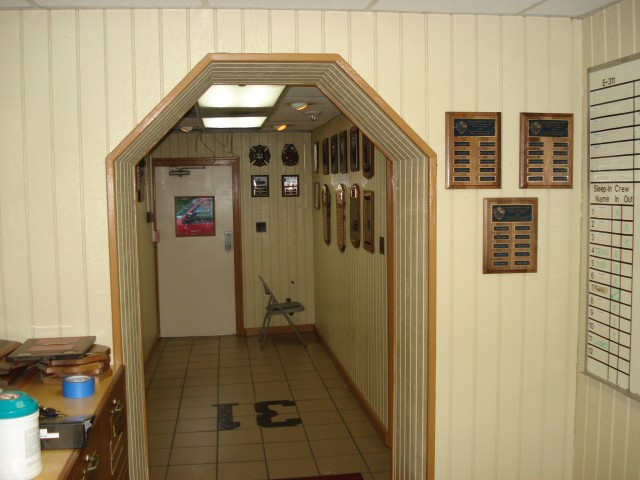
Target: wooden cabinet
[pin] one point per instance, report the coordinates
(104, 457)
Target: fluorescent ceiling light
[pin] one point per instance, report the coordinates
(234, 122)
(248, 96)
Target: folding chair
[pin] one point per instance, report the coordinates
(274, 307)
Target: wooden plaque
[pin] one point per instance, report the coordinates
(326, 214)
(546, 150)
(367, 157)
(334, 153)
(473, 150)
(354, 215)
(354, 149)
(367, 213)
(325, 156)
(341, 217)
(510, 235)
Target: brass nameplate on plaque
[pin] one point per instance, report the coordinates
(510, 235)
(473, 150)
(546, 150)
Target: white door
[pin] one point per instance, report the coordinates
(196, 291)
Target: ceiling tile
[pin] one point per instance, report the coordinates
(487, 7)
(15, 4)
(100, 4)
(291, 4)
(569, 8)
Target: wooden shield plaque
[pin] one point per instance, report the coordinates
(326, 213)
(354, 215)
(341, 217)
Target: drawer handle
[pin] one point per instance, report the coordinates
(118, 405)
(93, 461)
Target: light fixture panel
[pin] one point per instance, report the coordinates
(233, 122)
(236, 96)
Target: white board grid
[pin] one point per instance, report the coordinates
(613, 335)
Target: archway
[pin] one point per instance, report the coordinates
(414, 213)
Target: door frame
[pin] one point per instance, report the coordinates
(237, 224)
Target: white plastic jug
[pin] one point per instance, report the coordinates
(20, 457)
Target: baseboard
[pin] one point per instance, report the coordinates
(156, 342)
(379, 427)
(255, 331)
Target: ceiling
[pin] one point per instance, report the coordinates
(548, 8)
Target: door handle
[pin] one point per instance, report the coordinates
(228, 241)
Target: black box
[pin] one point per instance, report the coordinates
(65, 432)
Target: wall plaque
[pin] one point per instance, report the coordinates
(367, 213)
(546, 150)
(325, 198)
(341, 217)
(325, 156)
(510, 235)
(473, 150)
(354, 215)
(334, 153)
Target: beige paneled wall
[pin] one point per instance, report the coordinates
(74, 83)
(284, 254)
(505, 343)
(351, 286)
(607, 421)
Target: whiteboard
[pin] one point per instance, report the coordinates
(613, 284)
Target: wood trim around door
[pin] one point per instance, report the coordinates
(391, 300)
(234, 162)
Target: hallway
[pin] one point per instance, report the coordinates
(203, 394)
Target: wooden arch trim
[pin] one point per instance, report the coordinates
(351, 94)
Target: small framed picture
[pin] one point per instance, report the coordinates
(367, 157)
(325, 156)
(290, 185)
(316, 195)
(343, 152)
(334, 153)
(354, 144)
(195, 216)
(259, 185)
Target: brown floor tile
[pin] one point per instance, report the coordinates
(261, 387)
(382, 476)
(158, 393)
(310, 394)
(168, 374)
(287, 450)
(162, 440)
(157, 414)
(346, 404)
(269, 377)
(292, 468)
(321, 418)
(159, 456)
(236, 388)
(236, 398)
(333, 447)
(372, 445)
(203, 401)
(378, 462)
(315, 405)
(354, 415)
(163, 403)
(283, 394)
(242, 471)
(163, 426)
(202, 373)
(239, 437)
(201, 381)
(224, 371)
(304, 375)
(231, 379)
(206, 391)
(157, 472)
(341, 464)
(284, 434)
(306, 384)
(193, 455)
(241, 453)
(196, 425)
(195, 439)
(168, 383)
(203, 365)
(340, 392)
(183, 472)
(188, 413)
(326, 432)
(361, 429)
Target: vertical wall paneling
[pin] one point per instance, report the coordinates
(362, 37)
(68, 189)
(175, 47)
(607, 421)
(229, 31)
(94, 147)
(201, 35)
(350, 286)
(148, 62)
(15, 301)
(256, 27)
(310, 31)
(336, 33)
(284, 31)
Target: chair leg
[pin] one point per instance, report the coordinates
(265, 329)
(295, 330)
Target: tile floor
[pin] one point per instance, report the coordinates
(202, 396)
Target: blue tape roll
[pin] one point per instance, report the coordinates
(78, 386)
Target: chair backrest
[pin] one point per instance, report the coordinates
(267, 290)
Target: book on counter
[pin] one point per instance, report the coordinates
(41, 349)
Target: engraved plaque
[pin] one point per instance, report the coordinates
(341, 217)
(510, 235)
(367, 213)
(473, 150)
(546, 150)
(326, 213)
(354, 215)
